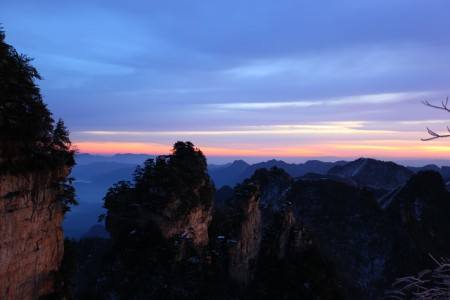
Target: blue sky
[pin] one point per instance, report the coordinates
(244, 78)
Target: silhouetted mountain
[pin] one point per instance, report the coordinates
(229, 174)
(125, 158)
(238, 171)
(425, 168)
(444, 171)
(373, 173)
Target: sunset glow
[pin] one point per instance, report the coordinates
(381, 149)
(343, 139)
(336, 80)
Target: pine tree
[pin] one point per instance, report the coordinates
(24, 118)
(61, 140)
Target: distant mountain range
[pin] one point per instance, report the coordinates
(126, 158)
(363, 171)
(237, 171)
(94, 174)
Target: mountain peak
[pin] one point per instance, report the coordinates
(373, 173)
(239, 162)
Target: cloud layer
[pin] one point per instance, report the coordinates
(232, 72)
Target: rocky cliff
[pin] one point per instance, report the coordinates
(192, 226)
(245, 248)
(159, 225)
(35, 159)
(31, 237)
(172, 194)
(263, 248)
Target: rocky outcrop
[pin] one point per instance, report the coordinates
(260, 223)
(420, 211)
(192, 226)
(159, 226)
(282, 234)
(35, 159)
(245, 251)
(270, 253)
(31, 236)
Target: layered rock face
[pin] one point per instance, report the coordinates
(245, 249)
(263, 227)
(31, 236)
(193, 226)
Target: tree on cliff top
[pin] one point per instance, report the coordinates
(23, 114)
(179, 179)
(61, 138)
(27, 131)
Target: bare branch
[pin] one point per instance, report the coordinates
(435, 135)
(444, 106)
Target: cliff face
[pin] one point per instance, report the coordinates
(193, 226)
(269, 253)
(244, 253)
(31, 237)
(35, 158)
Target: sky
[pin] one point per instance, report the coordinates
(250, 79)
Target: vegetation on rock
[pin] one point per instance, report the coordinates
(29, 137)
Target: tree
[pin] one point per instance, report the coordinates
(29, 139)
(61, 140)
(24, 118)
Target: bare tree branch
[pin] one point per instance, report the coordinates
(444, 106)
(434, 135)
